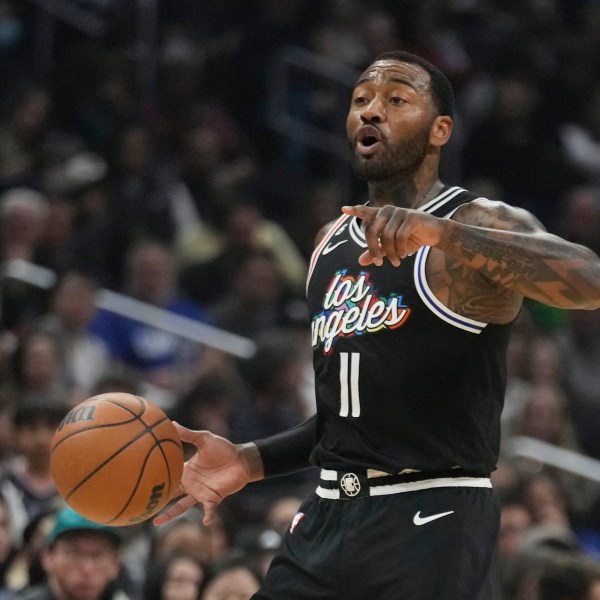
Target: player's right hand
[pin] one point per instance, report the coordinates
(217, 470)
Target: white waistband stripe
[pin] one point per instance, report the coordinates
(329, 494)
(413, 486)
(328, 475)
(426, 484)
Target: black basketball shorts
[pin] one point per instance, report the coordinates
(421, 541)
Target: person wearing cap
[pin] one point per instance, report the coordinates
(81, 561)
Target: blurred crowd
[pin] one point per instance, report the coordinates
(177, 190)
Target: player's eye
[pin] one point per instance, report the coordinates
(397, 100)
(360, 100)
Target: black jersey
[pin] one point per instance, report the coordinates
(402, 382)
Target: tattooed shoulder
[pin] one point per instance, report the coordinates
(497, 215)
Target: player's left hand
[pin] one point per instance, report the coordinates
(395, 232)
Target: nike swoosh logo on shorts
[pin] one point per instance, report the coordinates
(419, 520)
(331, 247)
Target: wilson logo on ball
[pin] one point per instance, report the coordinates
(77, 415)
(157, 492)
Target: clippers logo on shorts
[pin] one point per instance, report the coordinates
(350, 484)
(299, 516)
(352, 307)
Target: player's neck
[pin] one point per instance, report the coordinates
(406, 193)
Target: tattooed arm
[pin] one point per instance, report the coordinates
(509, 250)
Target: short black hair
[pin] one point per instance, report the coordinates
(441, 88)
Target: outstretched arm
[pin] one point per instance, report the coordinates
(507, 246)
(220, 468)
(514, 251)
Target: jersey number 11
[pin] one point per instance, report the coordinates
(349, 398)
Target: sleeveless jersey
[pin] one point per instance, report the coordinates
(402, 382)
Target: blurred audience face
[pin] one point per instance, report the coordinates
(136, 150)
(34, 440)
(41, 366)
(74, 302)
(546, 360)
(152, 273)
(546, 501)
(183, 579)
(515, 521)
(23, 219)
(543, 416)
(237, 583)
(186, 537)
(258, 279)
(80, 565)
(581, 216)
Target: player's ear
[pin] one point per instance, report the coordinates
(440, 131)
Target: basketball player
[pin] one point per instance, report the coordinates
(411, 299)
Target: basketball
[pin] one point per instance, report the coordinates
(116, 459)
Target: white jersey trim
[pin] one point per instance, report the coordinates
(434, 305)
(427, 296)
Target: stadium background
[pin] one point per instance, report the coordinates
(185, 153)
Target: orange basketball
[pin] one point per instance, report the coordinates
(116, 459)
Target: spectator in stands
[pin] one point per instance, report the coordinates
(580, 341)
(234, 579)
(570, 578)
(525, 161)
(178, 576)
(187, 535)
(22, 135)
(580, 216)
(515, 522)
(40, 374)
(140, 206)
(165, 361)
(273, 377)
(84, 353)
(28, 485)
(256, 298)
(214, 255)
(25, 568)
(210, 404)
(81, 561)
(112, 106)
(23, 218)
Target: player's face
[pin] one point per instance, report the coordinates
(390, 119)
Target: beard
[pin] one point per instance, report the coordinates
(402, 158)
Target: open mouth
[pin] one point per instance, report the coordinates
(368, 140)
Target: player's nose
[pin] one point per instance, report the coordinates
(374, 112)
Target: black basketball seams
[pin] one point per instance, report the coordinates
(147, 429)
(135, 417)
